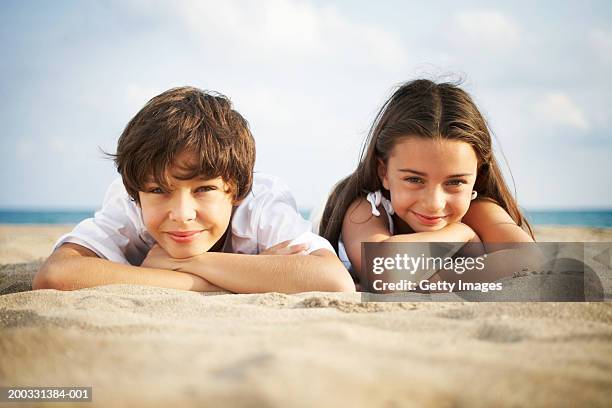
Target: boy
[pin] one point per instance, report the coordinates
(188, 212)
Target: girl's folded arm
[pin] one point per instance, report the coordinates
(493, 224)
(361, 226)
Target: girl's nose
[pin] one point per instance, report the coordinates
(183, 209)
(434, 201)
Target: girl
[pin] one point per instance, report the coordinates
(428, 175)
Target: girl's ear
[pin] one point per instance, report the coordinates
(382, 173)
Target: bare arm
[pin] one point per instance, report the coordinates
(360, 225)
(493, 224)
(73, 266)
(319, 271)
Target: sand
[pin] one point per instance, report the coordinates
(145, 346)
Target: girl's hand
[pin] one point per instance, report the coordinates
(158, 258)
(285, 249)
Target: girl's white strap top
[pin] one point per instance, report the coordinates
(376, 199)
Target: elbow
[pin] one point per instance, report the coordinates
(346, 286)
(48, 277)
(41, 279)
(343, 281)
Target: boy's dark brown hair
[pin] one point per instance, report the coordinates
(186, 119)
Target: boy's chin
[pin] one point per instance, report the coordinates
(183, 253)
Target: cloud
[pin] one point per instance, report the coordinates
(284, 30)
(557, 108)
(57, 145)
(485, 29)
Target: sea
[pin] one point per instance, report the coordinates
(585, 218)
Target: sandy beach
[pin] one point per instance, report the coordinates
(145, 346)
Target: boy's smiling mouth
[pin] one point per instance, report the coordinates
(184, 236)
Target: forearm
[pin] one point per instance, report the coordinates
(270, 273)
(493, 224)
(70, 273)
(451, 233)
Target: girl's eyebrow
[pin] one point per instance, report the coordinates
(420, 173)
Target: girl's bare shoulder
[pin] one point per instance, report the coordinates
(359, 215)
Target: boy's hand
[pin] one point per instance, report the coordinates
(285, 249)
(158, 258)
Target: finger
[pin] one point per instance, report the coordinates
(294, 249)
(290, 250)
(279, 245)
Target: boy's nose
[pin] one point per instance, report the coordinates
(183, 209)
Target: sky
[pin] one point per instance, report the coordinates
(309, 76)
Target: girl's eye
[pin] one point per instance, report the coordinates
(414, 179)
(156, 190)
(456, 182)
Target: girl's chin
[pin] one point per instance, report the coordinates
(427, 228)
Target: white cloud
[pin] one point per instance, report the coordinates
(56, 144)
(285, 29)
(558, 108)
(485, 29)
(266, 105)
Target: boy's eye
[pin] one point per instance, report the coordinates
(414, 179)
(159, 190)
(203, 189)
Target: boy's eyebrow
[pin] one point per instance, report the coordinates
(420, 173)
(151, 179)
(198, 178)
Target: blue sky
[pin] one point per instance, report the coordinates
(309, 77)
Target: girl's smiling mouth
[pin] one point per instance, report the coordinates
(428, 220)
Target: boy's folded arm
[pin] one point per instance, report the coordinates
(72, 266)
(319, 271)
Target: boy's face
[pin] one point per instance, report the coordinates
(190, 218)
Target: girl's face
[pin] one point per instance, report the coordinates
(430, 181)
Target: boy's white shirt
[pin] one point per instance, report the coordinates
(266, 217)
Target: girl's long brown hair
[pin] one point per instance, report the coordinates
(426, 109)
